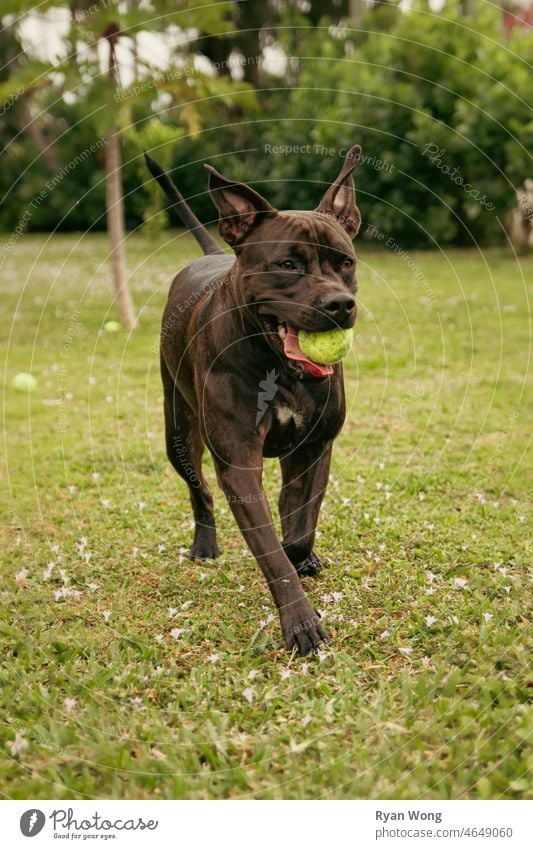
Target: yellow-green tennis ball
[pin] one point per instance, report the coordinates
(326, 348)
(24, 382)
(112, 326)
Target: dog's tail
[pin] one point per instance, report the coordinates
(189, 219)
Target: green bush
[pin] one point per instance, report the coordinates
(439, 103)
(429, 84)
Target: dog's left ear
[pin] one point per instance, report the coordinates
(339, 200)
(240, 207)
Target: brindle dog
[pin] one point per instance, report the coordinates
(229, 340)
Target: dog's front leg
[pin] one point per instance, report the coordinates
(305, 474)
(241, 483)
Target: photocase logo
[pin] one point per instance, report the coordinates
(32, 822)
(268, 388)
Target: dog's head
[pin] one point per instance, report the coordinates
(295, 270)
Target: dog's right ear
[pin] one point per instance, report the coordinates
(339, 200)
(240, 207)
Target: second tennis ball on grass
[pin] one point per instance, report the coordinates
(328, 347)
(24, 382)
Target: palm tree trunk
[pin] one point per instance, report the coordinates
(116, 230)
(115, 208)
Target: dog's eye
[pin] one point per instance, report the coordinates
(287, 263)
(347, 262)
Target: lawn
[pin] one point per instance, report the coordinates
(127, 671)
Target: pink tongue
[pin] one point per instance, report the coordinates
(293, 352)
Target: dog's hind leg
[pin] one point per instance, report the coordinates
(185, 448)
(305, 475)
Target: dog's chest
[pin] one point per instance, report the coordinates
(287, 426)
(291, 423)
(300, 415)
(286, 416)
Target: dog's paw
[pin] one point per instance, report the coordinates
(312, 565)
(204, 549)
(302, 629)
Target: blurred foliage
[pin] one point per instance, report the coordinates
(404, 85)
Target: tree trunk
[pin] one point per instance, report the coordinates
(115, 206)
(116, 230)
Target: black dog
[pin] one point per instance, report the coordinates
(236, 380)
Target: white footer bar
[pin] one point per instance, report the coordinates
(268, 825)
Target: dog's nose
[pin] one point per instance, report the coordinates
(339, 306)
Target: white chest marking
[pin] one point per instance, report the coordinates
(284, 414)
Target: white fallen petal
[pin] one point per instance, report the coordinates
(48, 571)
(18, 745)
(248, 694)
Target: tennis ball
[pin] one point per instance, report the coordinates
(112, 326)
(24, 382)
(326, 348)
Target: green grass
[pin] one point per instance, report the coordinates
(426, 516)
